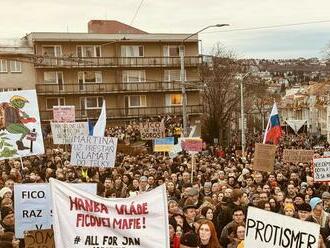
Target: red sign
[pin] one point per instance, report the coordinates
(32, 136)
(64, 113)
(192, 145)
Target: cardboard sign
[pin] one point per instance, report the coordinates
(321, 169)
(40, 239)
(264, 157)
(20, 127)
(268, 230)
(64, 132)
(164, 144)
(64, 113)
(192, 144)
(297, 156)
(84, 220)
(33, 210)
(152, 130)
(92, 151)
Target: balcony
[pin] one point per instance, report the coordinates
(99, 88)
(127, 113)
(108, 62)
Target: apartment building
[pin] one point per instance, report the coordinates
(16, 72)
(136, 73)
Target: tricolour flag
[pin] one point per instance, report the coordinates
(101, 123)
(273, 130)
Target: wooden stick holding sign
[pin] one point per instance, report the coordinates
(32, 136)
(193, 162)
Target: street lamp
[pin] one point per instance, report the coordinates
(182, 74)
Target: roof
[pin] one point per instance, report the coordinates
(112, 27)
(14, 46)
(89, 37)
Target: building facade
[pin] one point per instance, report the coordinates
(138, 75)
(15, 72)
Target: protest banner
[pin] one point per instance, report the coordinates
(32, 206)
(297, 156)
(39, 239)
(92, 151)
(163, 144)
(268, 230)
(264, 157)
(64, 114)
(131, 150)
(192, 144)
(152, 130)
(84, 220)
(64, 132)
(321, 169)
(175, 150)
(20, 128)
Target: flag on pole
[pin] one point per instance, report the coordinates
(100, 125)
(273, 130)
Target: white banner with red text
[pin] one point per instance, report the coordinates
(85, 220)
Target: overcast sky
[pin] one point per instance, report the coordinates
(19, 17)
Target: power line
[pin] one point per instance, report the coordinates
(269, 27)
(136, 12)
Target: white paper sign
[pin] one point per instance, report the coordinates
(64, 132)
(321, 169)
(64, 113)
(266, 229)
(33, 205)
(84, 220)
(92, 151)
(20, 129)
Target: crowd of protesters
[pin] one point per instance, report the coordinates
(206, 210)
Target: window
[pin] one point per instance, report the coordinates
(54, 77)
(52, 51)
(15, 66)
(54, 101)
(88, 51)
(171, 51)
(137, 101)
(91, 102)
(3, 65)
(173, 99)
(173, 75)
(9, 89)
(132, 51)
(90, 77)
(133, 76)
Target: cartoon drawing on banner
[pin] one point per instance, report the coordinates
(19, 120)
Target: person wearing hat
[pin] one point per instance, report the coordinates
(5, 192)
(7, 219)
(304, 211)
(319, 216)
(289, 209)
(189, 212)
(326, 201)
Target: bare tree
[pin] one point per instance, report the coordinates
(221, 94)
